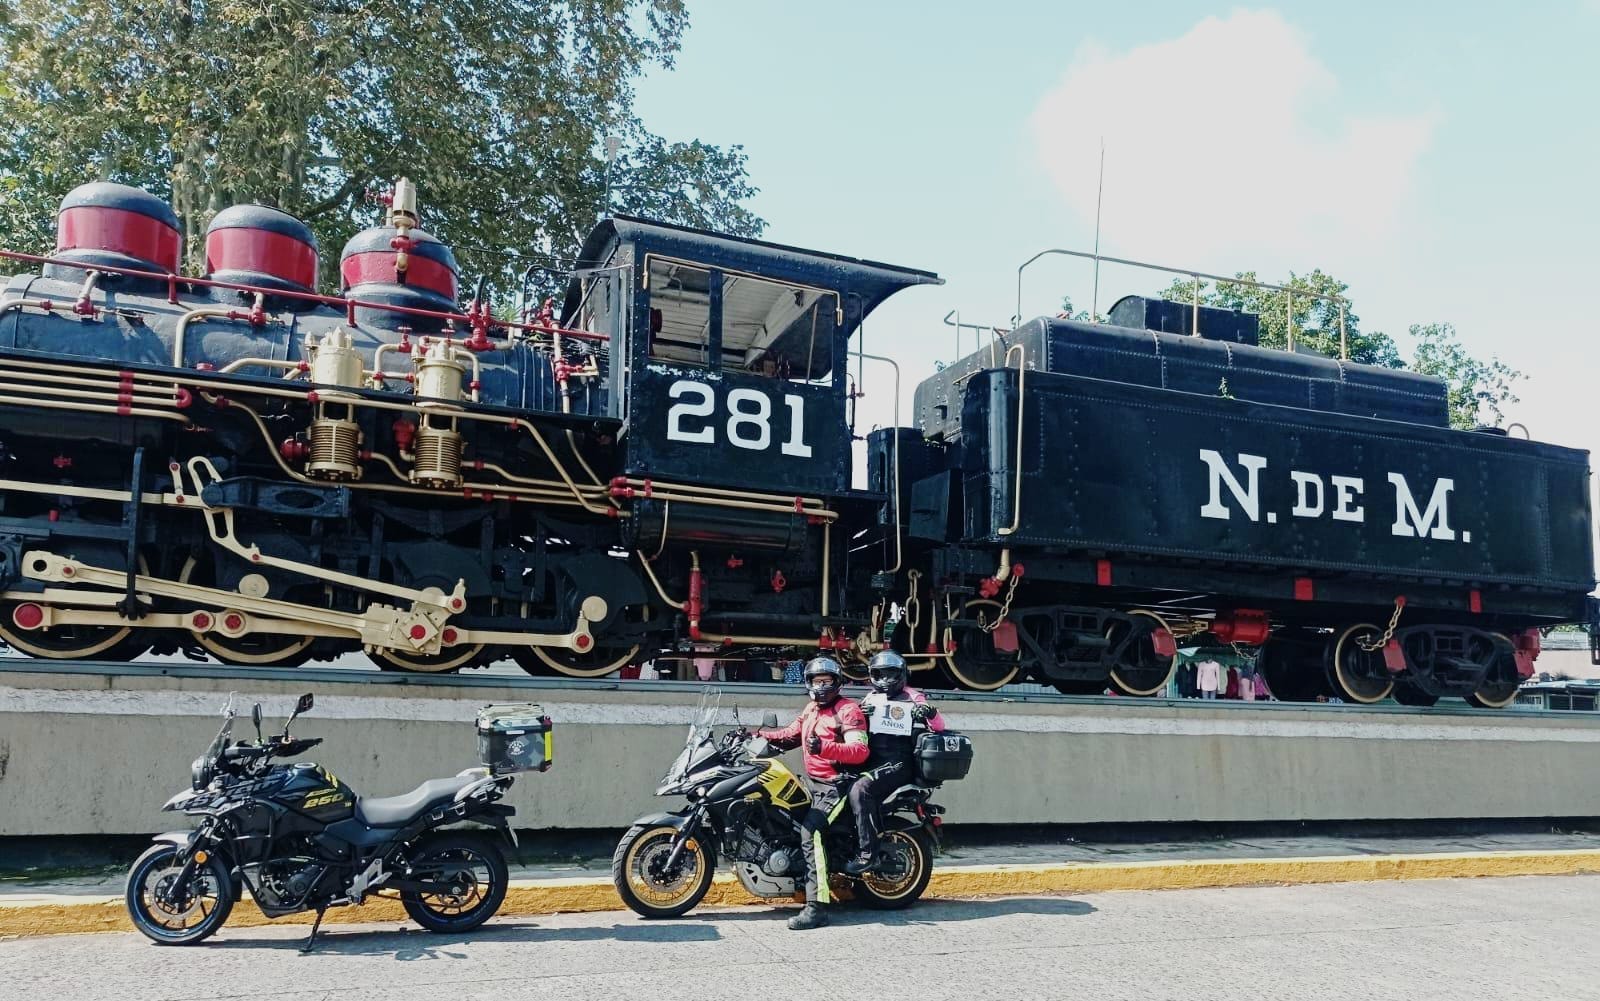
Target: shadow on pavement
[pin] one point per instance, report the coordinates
(923, 912)
(412, 944)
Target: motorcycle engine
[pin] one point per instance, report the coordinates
(284, 882)
(757, 842)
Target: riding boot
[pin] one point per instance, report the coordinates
(859, 863)
(812, 915)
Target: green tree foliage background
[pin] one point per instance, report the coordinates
(497, 109)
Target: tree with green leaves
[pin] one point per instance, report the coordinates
(498, 110)
(1316, 320)
(1478, 389)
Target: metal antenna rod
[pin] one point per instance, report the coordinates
(1099, 193)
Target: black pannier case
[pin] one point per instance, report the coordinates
(514, 738)
(943, 757)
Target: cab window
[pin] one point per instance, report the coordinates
(739, 323)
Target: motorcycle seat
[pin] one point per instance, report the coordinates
(395, 811)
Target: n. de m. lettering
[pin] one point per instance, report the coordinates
(1237, 488)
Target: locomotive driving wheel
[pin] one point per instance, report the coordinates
(1141, 669)
(594, 663)
(449, 657)
(257, 649)
(76, 641)
(1359, 674)
(977, 663)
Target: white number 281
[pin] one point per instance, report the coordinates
(749, 418)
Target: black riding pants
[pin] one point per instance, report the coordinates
(826, 805)
(868, 793)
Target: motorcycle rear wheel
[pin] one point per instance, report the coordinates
(206, 904)
(901, 889)
(636, 871)
(476, 869)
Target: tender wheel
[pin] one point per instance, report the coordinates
(1358, 674)
(251, 650)
(638, 869)
(1499, 688)
(196, 915)
(1139, 669)
(902, 875)
(597, 663)
(977, 664)
(474, 870)
(1293, 661)
(1408, 694)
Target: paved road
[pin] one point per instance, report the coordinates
(1501, 939)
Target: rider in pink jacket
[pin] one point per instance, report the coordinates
(831, 732)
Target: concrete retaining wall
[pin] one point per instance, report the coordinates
(99, 755)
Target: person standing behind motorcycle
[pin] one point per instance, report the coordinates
(893, 711)
(831, 732)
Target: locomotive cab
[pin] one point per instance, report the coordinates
(735, 352)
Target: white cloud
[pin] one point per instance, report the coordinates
(1224, 140)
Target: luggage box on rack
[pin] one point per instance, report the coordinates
(515, 738)
(943, 757)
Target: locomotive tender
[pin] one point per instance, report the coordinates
(240, 467)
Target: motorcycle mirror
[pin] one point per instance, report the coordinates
(255, 717)
(769, 721)
(303, 705)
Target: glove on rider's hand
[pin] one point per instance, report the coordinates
(867, 709)
(923, 712)
(814, 745)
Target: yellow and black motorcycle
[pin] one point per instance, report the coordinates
(745, 806)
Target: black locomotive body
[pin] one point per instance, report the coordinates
(238, 467)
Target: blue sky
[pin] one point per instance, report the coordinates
(1442, 160)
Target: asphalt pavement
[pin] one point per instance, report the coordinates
(1505, 939)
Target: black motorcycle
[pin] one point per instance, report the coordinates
(746, 806)
(302, 840)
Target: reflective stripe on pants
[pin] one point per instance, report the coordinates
(826, 805)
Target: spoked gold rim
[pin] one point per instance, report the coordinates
(194, 912)
(471, 877)
(897, 888)
(653, 846)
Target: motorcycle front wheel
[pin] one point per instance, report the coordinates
(647, 886)
(473, 871)
(903, 867)
(189, 917)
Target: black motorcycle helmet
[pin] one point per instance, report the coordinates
(824, 677)
(888, 672)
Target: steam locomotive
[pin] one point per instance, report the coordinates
(239, 467)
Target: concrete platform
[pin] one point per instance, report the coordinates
(89, 753)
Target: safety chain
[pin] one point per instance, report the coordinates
(1248, 658)
(1388, 634)
(1005, 606)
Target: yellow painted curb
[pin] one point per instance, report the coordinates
(550, 896)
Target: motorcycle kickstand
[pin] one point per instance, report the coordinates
(311, 939)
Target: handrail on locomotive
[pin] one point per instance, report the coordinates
(1195, 277)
